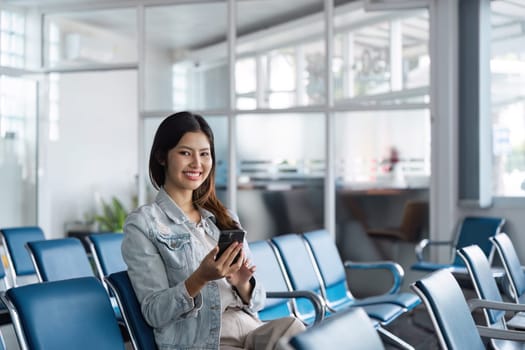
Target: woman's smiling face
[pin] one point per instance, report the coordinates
(188, 163)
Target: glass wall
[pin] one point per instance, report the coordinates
(90, 38)
(186, 65)
(507, 66)
(281, 172)
(18, 163)
(381, 57)
(281, 59)
(12, 39)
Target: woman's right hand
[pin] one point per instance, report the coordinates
(211, 269)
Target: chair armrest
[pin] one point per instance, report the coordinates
(420, 247)
(496, 333)
(397, 271)
(496, 305)
(315, 299)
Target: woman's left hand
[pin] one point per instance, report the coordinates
(240, 279)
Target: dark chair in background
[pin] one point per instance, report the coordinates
(21, 269)
(452, 319)
(472, 230)
(64, 315)
(141, 334)
(415, 218)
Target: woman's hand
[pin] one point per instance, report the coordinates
(211, 269)
(240, 279)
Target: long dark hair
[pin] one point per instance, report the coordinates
(168, 135)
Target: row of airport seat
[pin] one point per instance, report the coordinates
(64, 259)
(324, 244)
(451, 313)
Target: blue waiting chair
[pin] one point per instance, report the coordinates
(512, 265)
(141, 334)
(302, 274)
(332, 270)
(5, 318)
(59, 259)
(68, 314)
(451, 316)
(106, 253)
(280, 300)
(21, 268)
(472, 230)
(351, 330)
(488, 293)
(301, 271)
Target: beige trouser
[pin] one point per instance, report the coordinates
(243, 331)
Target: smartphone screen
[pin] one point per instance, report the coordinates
(226, 238)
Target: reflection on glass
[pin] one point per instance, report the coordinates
(17, 151)
(507, 67)
(383, 149)
(12, 39)
(285, 54)
(186, 57)
(90, 37)
(219, 125)
(281, 170)
(381, 55)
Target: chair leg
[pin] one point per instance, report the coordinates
(394, 340)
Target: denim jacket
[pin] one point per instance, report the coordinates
(160, 255)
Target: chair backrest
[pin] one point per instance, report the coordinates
(59, 259)
(415, 216)
(105, 249)
(140, 332)
(5, 318)
(511, 264)
(330, 265)
(299, 268)
(14, 239)
(67, 314)
(4, 281)
(477, 230)
(270, 273)
(483, 280)
(448, 310)
(349, 329)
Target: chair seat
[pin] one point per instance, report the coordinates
(384, 313)
(517, 321)
(407, 300)
(430, 266)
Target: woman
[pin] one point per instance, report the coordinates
(190, 298)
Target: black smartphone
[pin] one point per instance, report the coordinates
(226, 238)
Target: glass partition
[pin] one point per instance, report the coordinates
(381, 57)
(18, 145)
(507, 66)
(90, 38)
(383, 149)
(186, 63)
(281, 170)
(280, 59)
